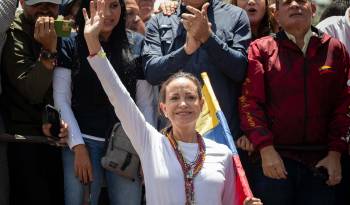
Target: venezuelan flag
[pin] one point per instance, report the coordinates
(212, 124)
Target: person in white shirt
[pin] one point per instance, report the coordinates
(180, 167)
(338, 27)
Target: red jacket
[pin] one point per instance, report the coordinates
(292, 99)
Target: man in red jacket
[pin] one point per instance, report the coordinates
(295, 109)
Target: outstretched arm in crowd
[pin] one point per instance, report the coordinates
(124, 107)
(23, 66)
(223, 54)
(159, 66)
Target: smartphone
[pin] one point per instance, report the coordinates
(63, 28)
(52, 116)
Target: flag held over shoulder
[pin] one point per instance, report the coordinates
(212, 124)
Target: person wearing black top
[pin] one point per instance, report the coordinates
(85, 106)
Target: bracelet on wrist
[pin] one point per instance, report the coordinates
(100, 53)
(48, 55)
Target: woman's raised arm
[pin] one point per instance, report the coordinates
(133, 122)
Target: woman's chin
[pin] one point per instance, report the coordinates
(185, 122)
(107, 28)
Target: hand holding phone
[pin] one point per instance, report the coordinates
(52, 116)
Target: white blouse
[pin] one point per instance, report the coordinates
(338, 27)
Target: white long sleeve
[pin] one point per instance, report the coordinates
(132, 120)
(337, 27)
(62, 95)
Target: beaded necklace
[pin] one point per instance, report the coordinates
(190, 170)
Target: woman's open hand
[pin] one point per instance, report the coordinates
(93, 25)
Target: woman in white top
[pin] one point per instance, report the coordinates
(180, 167)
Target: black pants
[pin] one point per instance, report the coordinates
(343, 190)
(301, 187)
(36, 175)
(4, 179)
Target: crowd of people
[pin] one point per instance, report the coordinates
(282, 82)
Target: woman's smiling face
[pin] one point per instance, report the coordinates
(182, 104)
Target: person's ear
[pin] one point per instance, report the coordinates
(277, 16)
(313, 9)
(162, 107)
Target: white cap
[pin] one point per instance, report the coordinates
(32, 2)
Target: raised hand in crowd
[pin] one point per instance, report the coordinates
(252, 201)
(45, 34)
(63, 135)
(332, 163)
(197, 23)
(191, 44)
(93, 25)
(272, 163)
(168, 8)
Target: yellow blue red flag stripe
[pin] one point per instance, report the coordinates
(212, 124)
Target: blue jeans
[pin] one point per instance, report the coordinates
(300, 188)
(121, 191)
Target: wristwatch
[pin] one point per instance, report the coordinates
(47, 55)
